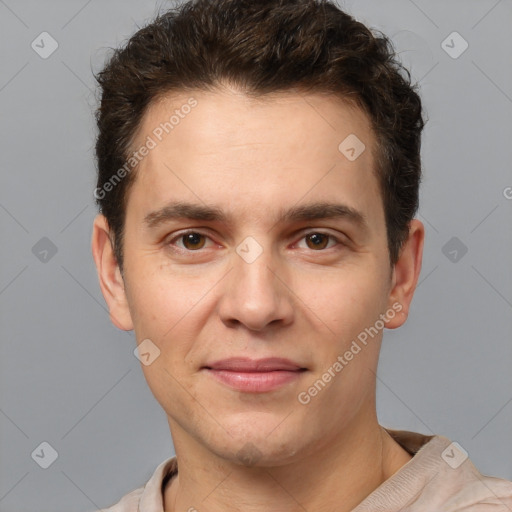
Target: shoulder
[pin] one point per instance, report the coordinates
(481, 493)
(128, 503)
(150, 495)
(440, 476)
(458, 486)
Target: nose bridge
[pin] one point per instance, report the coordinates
(254, 295)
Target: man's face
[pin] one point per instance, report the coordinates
(255, 283)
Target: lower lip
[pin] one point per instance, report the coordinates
(256, 382)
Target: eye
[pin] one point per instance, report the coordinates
(318, 241)
(191, 240)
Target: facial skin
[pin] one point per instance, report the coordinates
(199, 301)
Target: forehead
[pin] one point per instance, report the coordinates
(251, 154)
(230, 117)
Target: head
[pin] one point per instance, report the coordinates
(284, 138)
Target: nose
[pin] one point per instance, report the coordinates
(255, 293)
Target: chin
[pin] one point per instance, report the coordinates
(259, 444)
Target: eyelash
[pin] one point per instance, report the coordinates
(184, 233)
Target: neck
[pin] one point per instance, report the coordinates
(334, 477)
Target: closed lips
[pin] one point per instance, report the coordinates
(245, 365)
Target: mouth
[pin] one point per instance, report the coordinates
(254, 376)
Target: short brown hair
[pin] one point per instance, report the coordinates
(263, 46)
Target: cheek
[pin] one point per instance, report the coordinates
(161, 298)
(171, 309)
(345, 300)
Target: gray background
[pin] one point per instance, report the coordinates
(68, 377)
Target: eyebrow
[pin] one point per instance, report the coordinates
(314, 211)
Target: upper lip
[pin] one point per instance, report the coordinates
(245, 364)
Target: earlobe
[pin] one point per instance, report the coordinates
(109, 275)
(405, 274)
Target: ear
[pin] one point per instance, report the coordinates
(109, 274)
(405, 274)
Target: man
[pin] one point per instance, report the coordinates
(259, 166)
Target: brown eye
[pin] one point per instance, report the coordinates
(317, 240)
(193, 241)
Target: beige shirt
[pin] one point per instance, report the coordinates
(439, 478)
